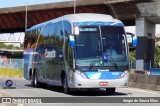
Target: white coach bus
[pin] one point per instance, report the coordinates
(78, 51)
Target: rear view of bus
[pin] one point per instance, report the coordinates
(101, 54)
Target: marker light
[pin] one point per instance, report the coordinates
(76, 30)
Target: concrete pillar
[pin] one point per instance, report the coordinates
(145, 32)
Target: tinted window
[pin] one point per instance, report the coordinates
(88, 42)
(68, 50)
(27, 39)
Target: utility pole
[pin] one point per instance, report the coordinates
(74, 6)
(26, 17)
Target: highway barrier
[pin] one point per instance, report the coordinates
(154, 71)
(151, 82)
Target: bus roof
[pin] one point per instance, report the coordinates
(81, 17)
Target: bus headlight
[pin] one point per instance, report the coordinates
(123, 74)
(82, 74)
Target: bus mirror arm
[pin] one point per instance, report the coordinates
(134, 38)
(72, 41)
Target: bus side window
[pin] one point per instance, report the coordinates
(60, 34)
(28, 39)
(40, 42)
(70, 56)
(51, 34)
(45, 35)
(68, 49)
(33, 40)
(68, 53)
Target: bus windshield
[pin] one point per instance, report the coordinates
(101, 46)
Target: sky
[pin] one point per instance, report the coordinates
(15, 3)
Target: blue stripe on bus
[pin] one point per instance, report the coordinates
(103, 75)
(97, 23)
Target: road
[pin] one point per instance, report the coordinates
(24, 89)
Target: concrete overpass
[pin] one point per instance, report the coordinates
(142, 13)
(13, 19)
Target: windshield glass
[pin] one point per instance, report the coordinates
(88, 46)
(114, 48)
(100, 46)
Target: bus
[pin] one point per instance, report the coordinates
(75, 51)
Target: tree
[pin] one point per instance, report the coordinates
(3, 46)
(132, 56)
(10, 47)
(157, 56)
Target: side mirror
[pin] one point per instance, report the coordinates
(134, 38)
(72, 41)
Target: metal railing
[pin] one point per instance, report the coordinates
(12, 63)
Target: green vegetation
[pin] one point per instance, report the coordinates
(156, 56)
(133, 55)
(7, 72)
(4, 46)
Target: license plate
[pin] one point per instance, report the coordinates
(103, 83)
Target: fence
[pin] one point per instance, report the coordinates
(12, 63)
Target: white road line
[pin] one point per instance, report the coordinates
(151, 92)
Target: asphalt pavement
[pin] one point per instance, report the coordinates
(95, 97)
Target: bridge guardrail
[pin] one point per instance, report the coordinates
(12, 63)
(154, 71)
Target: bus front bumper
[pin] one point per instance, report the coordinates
(80, 82)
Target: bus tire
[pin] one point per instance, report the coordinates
(65, 85)
(110, 91)
(34, 81)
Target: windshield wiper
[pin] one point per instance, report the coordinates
(113, 62)
(115, 66)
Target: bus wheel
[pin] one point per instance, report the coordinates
(65, 85)
(110, 91)
(34, 81)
